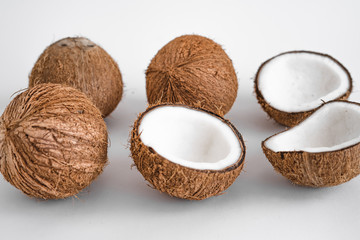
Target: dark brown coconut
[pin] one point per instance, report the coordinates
(193, 70)
(80, 63)
(177, 180)
(316, 169)
(53, 142)
(291, 119)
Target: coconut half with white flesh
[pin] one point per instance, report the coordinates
(323, 150)
(186, 152)
(292, 85)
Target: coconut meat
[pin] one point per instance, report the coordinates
(302, 81)
(190, 137)
(334, 126)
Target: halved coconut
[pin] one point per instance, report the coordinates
(186, 152)
(323, 150)
(291, 85)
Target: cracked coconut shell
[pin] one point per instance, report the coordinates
(289, 118)
(178, 180)
(323, 168)
(193, 70)
(80, 63)
(53, 142)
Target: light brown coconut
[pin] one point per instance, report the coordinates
(291, 119)
(80, 63)
(53, 142)
(193, 70)
(177, 180)
(316, 169)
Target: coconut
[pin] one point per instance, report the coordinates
(80, 63)
(53, 142)
(323, 150)
(186, 152)
(292, 85)
(193, 70)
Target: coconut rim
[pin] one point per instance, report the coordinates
(260, 95)
(239, 137)
(302, 151)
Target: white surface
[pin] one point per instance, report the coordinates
(190, 138)
(333, 127)
(261, 204)
(296, 82)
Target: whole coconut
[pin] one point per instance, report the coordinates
(53, 142)
(80, 63)
(195, 71)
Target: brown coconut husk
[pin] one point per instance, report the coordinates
(80, 63)
(53, 142)
(291, 119)
(179, 181)
(319, 169)
(193, 70)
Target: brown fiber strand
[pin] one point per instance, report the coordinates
(291, 119)
(320, 169)
(179, 181)
(80, 63)
(194, 70)
(53, 142)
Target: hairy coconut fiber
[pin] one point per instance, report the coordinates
(321, 169)
(80, 63)
(317, 169)
(179, 181)
(193, 70)
(291, 119)
(53, 142)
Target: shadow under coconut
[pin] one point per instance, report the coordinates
(269, 186)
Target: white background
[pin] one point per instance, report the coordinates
(119, 204)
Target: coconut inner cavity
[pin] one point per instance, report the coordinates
(190, 138)
(295, 82)
(334, 126)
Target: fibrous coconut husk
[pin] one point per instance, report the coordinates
(193, 70)
(80, 63)
(291, 119)
(53, 142)
(316, 169)
(177, 180)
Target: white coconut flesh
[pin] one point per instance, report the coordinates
(334, 126)
(190, 138)
(302, 81)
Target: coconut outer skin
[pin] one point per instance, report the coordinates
(80, 63)
(291, 119)
(193, 70)
(179, 181)
(53, 142)
(322, 169)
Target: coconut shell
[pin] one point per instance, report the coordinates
(193, 70)
(53, 142)
(80, 63)
(291, 119)
(177, 180)
(320, 169)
